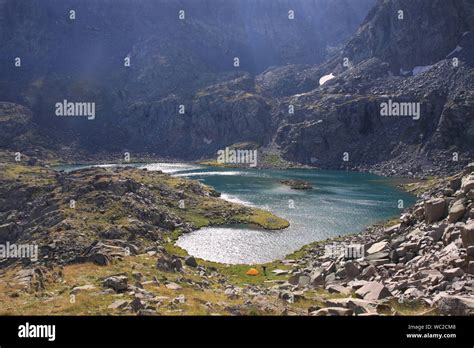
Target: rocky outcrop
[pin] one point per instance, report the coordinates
(100, 215)
(425, 258)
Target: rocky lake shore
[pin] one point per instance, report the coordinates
(106, 240)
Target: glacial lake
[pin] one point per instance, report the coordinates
(341, 202)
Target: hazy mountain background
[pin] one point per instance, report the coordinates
(190, 62)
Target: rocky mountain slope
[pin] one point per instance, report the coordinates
(171, 60)
(183, 97)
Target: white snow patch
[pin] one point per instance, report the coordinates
(404, 72)
(325, 79)
(457, 49)
(421, 69)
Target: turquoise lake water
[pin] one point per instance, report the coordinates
(341, 202)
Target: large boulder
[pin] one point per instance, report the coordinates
(190, 261)
(456, 212)
(435, 210)
(373, 291)
(317, 278)
(168, 264)
(117, 283)
(351, 270)
(378, 247)
(357, 305)
(467, 183)
(452, 273)
(455, 305)
(470, 268)
(467, 234)
(333, 311)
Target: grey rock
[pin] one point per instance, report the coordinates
(455, 305)
(118, 283)
(118, 304)
(190, 261)
(351, 270)
(368, 272)
(456, 212)
(435, 209)
(373, 291)
(452, 273)
(467, 234)
(338, 289)
(333, 311)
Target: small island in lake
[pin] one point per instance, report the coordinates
(297, 184)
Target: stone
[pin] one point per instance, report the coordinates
(373, 291)
(317, 278)
(287, 296)
(295, 278)
(435, 210)
(379, 262)
(190, 261)
(167, 264)
(137, 275)
(467, 183)
(173, 286)
(330, 267)
(455, 305)
(230, 293)
(333, 311)
(304, 280)
(118, 304)
(137, 304)
(338, 289)
(470, 267)
(179, 300)
(356, 284)
(467, 234)
(100, 259)
(351, 270)
(377, 247)
(87, 287)
(392, 229)
(456, 212)
(358, 306)
(118, 283)
(279, 272)
(455, 184)
(437, 232)
(469, 168)
(433, 276)
(413, 293)
(377, 256)
(368, 272)
(452, 273)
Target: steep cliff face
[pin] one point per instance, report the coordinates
(411, 33)
(185, 96)
(425, 60)
(175, 61)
